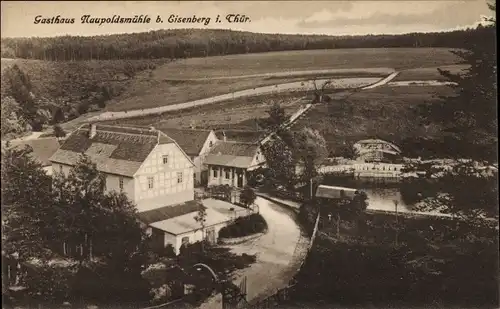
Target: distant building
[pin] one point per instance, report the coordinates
(335, 192)
(196, 144)
(376, 150)
(230, 163)
(245, 136)
(43, 149)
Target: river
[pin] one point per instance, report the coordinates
(384, 198)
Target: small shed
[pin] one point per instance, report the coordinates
(334, 192)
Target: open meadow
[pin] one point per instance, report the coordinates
(386, 112)
(197, 78)
(430, 73)
(359, 58)
(238, 114)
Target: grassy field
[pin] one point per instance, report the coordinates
(237, 114)
(397, 58)
(196, 78)
(385, 112)
(147, 92)
(430, 73)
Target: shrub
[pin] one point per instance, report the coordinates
(244, 226)
(247, 196)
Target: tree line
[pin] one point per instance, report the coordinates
(186, 43)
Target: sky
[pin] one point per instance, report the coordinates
(287, 17)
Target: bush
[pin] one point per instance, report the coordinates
(244, 226)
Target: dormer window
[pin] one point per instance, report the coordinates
(165, 159)
(210, 144)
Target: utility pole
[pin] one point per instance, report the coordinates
(397, 224)
(311, 188)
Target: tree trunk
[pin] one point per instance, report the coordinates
(338, 225)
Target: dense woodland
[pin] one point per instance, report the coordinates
(185, 43)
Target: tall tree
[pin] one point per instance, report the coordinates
(26, 204)
(41, 213)
(465, 189)
(470, 117)
(310, 151)
(276, 117)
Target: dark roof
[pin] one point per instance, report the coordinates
(238, 149)
(241, 135)
(235, 154)
(168, 212)
(43, 148)
(115, 150)
(333, 192)
(190, 140)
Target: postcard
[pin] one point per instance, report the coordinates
(249, 154)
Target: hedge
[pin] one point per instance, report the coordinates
(244, 226)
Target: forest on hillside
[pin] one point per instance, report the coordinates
(186, 43)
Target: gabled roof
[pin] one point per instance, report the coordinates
(168, 212)
(241, 135)
(234, 154)
(43, 148)
(190, 140)
(114, 149)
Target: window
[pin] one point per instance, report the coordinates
(185, 240)
(150, 182)
(60, 169)
(227, 173)
(210, 144)
(121, 184)
(165, 159)
(215, 172)
(179, 177)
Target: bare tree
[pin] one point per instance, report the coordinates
(319, 93)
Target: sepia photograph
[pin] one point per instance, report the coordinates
(249, 154)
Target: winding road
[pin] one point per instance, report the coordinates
(278, 256)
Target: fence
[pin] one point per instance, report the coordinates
(283, 295)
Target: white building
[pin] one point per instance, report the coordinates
(147, 165)
(176, 225)
(229, 163)
(196, 143)
(154, 172)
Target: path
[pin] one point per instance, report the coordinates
(293, 86)
(32, 135)
(382, 82)
(277, 258)
(381, 71)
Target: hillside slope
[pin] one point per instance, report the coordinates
(36, 93)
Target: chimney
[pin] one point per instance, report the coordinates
(224, 136)
(93, 130)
